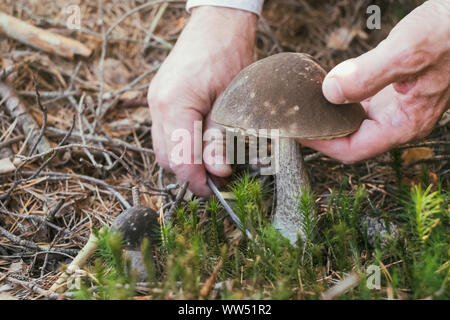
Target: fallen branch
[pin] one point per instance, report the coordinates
(179, 197)
(37, 219)
(41, 39)
(77, 145)
(157, 192)
(19, 111)
(6, 72)
(44, 119)
(18, 181)
(7, 143)
(80, 109)
(31, 245)
(30, 285)
(94, 138)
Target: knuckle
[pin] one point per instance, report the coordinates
(181, 169)
(159, 99)
(404, 55)
(411, 58)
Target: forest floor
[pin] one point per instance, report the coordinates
(94, 146)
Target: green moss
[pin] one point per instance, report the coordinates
(414, 266)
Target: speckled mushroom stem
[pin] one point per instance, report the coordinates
(291, 178)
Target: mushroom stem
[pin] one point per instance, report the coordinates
(291, 179)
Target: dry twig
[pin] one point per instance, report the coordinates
(40, 38)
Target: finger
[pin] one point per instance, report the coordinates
(371, 139)
(184, 148)
(360, 78)
(214, 156)
(159, 146)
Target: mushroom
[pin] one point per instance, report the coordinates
(135, 224)
(284, 92)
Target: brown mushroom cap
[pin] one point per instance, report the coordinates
(284, 92)
(137, 223)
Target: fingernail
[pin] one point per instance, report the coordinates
(332, 91)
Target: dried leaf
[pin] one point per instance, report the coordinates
(115, 73)
(122, 127)
(17, 267)
(141, 115)
(341, 38)
(151, 202)
(415, 154)
(417, 179)
(130, 95)
(126, 126)
(433, 177)
(6, 166)
(180, 22)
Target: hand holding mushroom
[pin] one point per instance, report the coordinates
(283, 92)
(404, 85)
(214, 46)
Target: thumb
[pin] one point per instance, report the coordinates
(360, 78)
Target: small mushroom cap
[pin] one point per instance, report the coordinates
(135, 224)
(284, 92)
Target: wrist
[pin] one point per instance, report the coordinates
(229, 16)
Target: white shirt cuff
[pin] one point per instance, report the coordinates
(254, 6)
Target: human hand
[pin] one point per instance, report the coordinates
(214, 46)
(403, 84)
